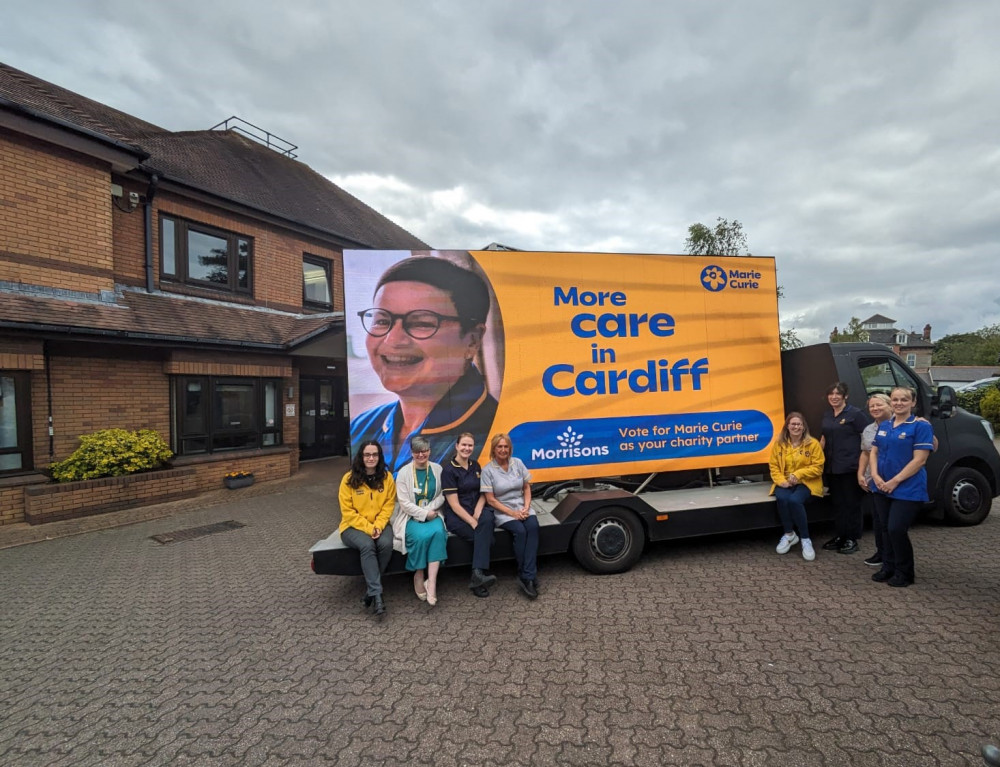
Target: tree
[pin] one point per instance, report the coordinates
(853, 332)
(728, 239)
(979, 348)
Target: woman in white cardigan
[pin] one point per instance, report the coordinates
(417, 524)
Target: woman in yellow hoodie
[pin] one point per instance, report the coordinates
(797, 472)
(367, 498)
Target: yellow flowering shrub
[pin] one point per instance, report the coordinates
(112, 453)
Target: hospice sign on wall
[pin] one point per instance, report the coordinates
(607, 364)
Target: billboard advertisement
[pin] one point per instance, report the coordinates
(595, 364)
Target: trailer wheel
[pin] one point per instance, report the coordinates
(966, 498)
(609, 540)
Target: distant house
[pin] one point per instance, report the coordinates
(190, 283)
(959, 375)
(915, 348)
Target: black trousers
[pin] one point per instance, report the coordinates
(897, 516)
(845, 495)
(481, 538)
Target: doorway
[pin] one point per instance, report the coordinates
(323, 427)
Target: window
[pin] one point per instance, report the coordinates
(213, 414)
(15, 422)
(316, 282)
(881, 375)
(911, 360)
(202, 255)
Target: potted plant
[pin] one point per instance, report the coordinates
(235, 479)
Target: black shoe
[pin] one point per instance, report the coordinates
(881, 576)
(850, 546)
(481, 579)
(874, 560)
(534, 582)
(899, 581)
(481, 591)
(379, 606)
(833, 544)
(528, 587)
(366, 601)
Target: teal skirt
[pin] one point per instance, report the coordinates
(425, 542)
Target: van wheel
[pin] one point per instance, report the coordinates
(966, 498)
(609, 540)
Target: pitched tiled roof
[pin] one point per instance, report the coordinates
(233, 166)
(160, 317)
(879, 319)
(967, 373)
(222, 163)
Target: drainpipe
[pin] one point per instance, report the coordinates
(148, 225)
(48, 396)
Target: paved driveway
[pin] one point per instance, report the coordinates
(227, 650)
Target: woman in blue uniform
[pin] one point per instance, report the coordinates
(899, 479)
(423, 335)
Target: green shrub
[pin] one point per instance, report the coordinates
(971, 400)
(989, 406)
(112, 453)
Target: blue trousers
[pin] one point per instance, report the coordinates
(897, 516)
(525, 545)
(481, 538)
(791, 503)
(375, 554)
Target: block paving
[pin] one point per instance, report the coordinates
(227, 650)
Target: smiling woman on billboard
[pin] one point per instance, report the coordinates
(424, 334)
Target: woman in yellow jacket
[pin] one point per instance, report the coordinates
(367, 498)
(797, 472)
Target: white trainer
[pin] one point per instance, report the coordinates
(787, 541)
(808, 552)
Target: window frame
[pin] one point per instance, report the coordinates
(22, 420)
(182, 228)
(214, 435)
(327, 266)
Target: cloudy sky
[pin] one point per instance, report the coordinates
(857, 142)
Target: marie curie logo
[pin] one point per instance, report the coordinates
(713, 278)
(569, 444)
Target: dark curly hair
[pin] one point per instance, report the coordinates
(361, 477)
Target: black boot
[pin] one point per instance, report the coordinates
(528, 587)
(379, 608)
(367, 601)
(481, 579)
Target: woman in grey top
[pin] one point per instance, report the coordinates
(879, 409)
(506, 483)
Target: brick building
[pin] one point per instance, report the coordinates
(915, 348)
(187, 282)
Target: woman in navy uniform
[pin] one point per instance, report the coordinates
(843, 425)
(466, 513)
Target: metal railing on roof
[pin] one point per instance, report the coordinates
(265, 137)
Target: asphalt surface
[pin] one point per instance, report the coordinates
(226, 650)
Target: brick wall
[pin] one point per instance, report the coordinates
(93, 393)
(56, 224)
(277, 252)
(69, 500)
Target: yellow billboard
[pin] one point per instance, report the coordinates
(595, 364)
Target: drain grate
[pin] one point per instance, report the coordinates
(197, 532)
